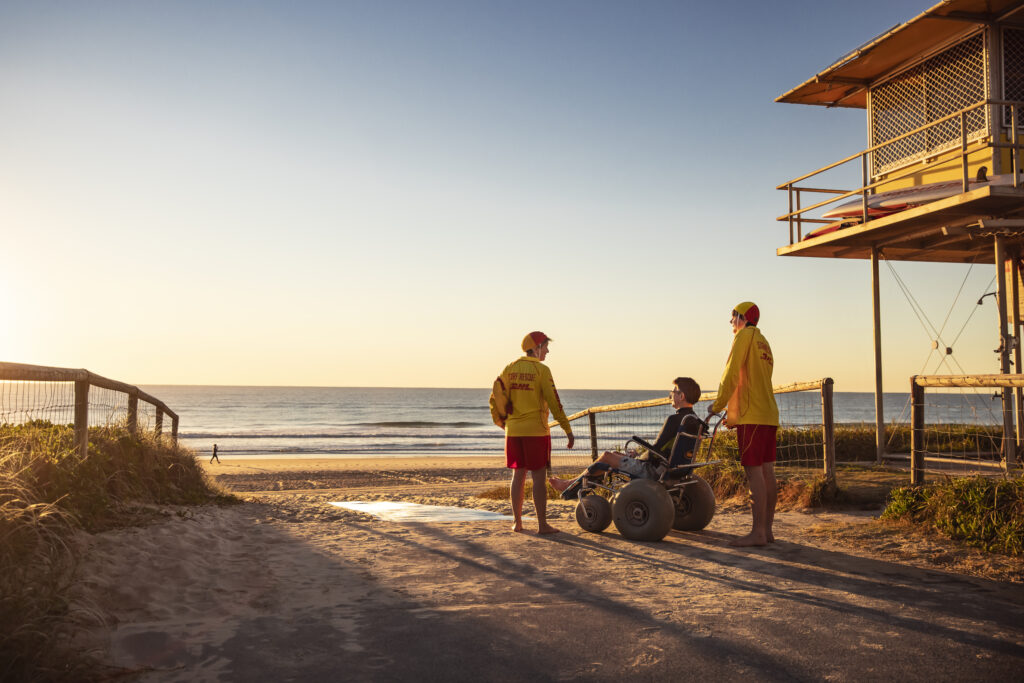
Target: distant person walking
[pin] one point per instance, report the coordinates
(521, 397)
(215, 456)
(746, 393)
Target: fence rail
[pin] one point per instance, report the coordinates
(993, 446)
(83, 381)
(815, 426)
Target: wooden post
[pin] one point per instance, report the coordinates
(877, 321)
(916, 432)
(1009, 439)
(174, 430)
(82, 417)
(828, 429)
(592, 417)
(159, 422)
(133, 414)
(1015, 317)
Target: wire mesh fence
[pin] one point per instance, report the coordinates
(22, 402)
(964, 425)
(66, 396)
(806, 444)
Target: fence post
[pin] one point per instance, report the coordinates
(133, 413)
(174, 430)
(828, 429)
(916, 432)
(82, 417)
(159, 422)
(592, 417)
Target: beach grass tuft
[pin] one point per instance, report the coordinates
(985, 513)
(47, 492)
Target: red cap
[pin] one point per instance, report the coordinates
(534, 339)
(749, 311)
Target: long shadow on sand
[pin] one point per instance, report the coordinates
(829, 580)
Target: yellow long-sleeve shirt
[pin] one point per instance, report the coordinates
(531, 391)
(746, 386)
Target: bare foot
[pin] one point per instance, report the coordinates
(517, 528)
(748, 540)
(558, 484)
(547, 529)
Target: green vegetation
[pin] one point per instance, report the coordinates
(46, 493)
(986, 513)
(856, 442)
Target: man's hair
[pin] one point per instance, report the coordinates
(689, 387)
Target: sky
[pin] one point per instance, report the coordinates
(391, 193)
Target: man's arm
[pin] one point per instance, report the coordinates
(501, 406)
(731, 376)
(547, 385)
(668, 433)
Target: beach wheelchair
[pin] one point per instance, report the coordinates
(646, 509)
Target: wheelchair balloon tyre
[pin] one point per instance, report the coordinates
(593, 513)
(694, 506)
(643, 511)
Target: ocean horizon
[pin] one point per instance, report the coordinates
(274, 422)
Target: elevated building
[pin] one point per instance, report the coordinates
(941, 179)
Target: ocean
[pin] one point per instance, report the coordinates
(386, 422)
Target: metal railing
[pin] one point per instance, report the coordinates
(807, 430)
(942, 157)
(23, 376)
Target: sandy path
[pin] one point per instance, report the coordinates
(290, 587)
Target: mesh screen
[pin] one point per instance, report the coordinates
(942, 85)
(1013, 72)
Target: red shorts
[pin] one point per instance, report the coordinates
(757, 444)
(527, 452)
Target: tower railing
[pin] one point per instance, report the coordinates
(948, 156)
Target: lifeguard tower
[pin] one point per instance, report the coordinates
(941, 179)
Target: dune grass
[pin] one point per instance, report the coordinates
(985, 513)
(46, 493)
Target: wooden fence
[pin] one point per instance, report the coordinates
(1002, 450)
(83, 381)
(823, 420)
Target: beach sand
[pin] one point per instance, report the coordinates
(288, 586)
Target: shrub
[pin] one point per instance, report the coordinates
(986, 513)
(47, 491)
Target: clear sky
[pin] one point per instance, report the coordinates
(393, 193)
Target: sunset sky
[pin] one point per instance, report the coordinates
(392, 193)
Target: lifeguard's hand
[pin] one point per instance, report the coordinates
(572, 440)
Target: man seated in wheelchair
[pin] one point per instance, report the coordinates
(676, 439)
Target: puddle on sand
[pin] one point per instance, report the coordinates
(415, 512)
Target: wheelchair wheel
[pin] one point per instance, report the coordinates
(593, 513)
(643, 510)
(694, 506)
